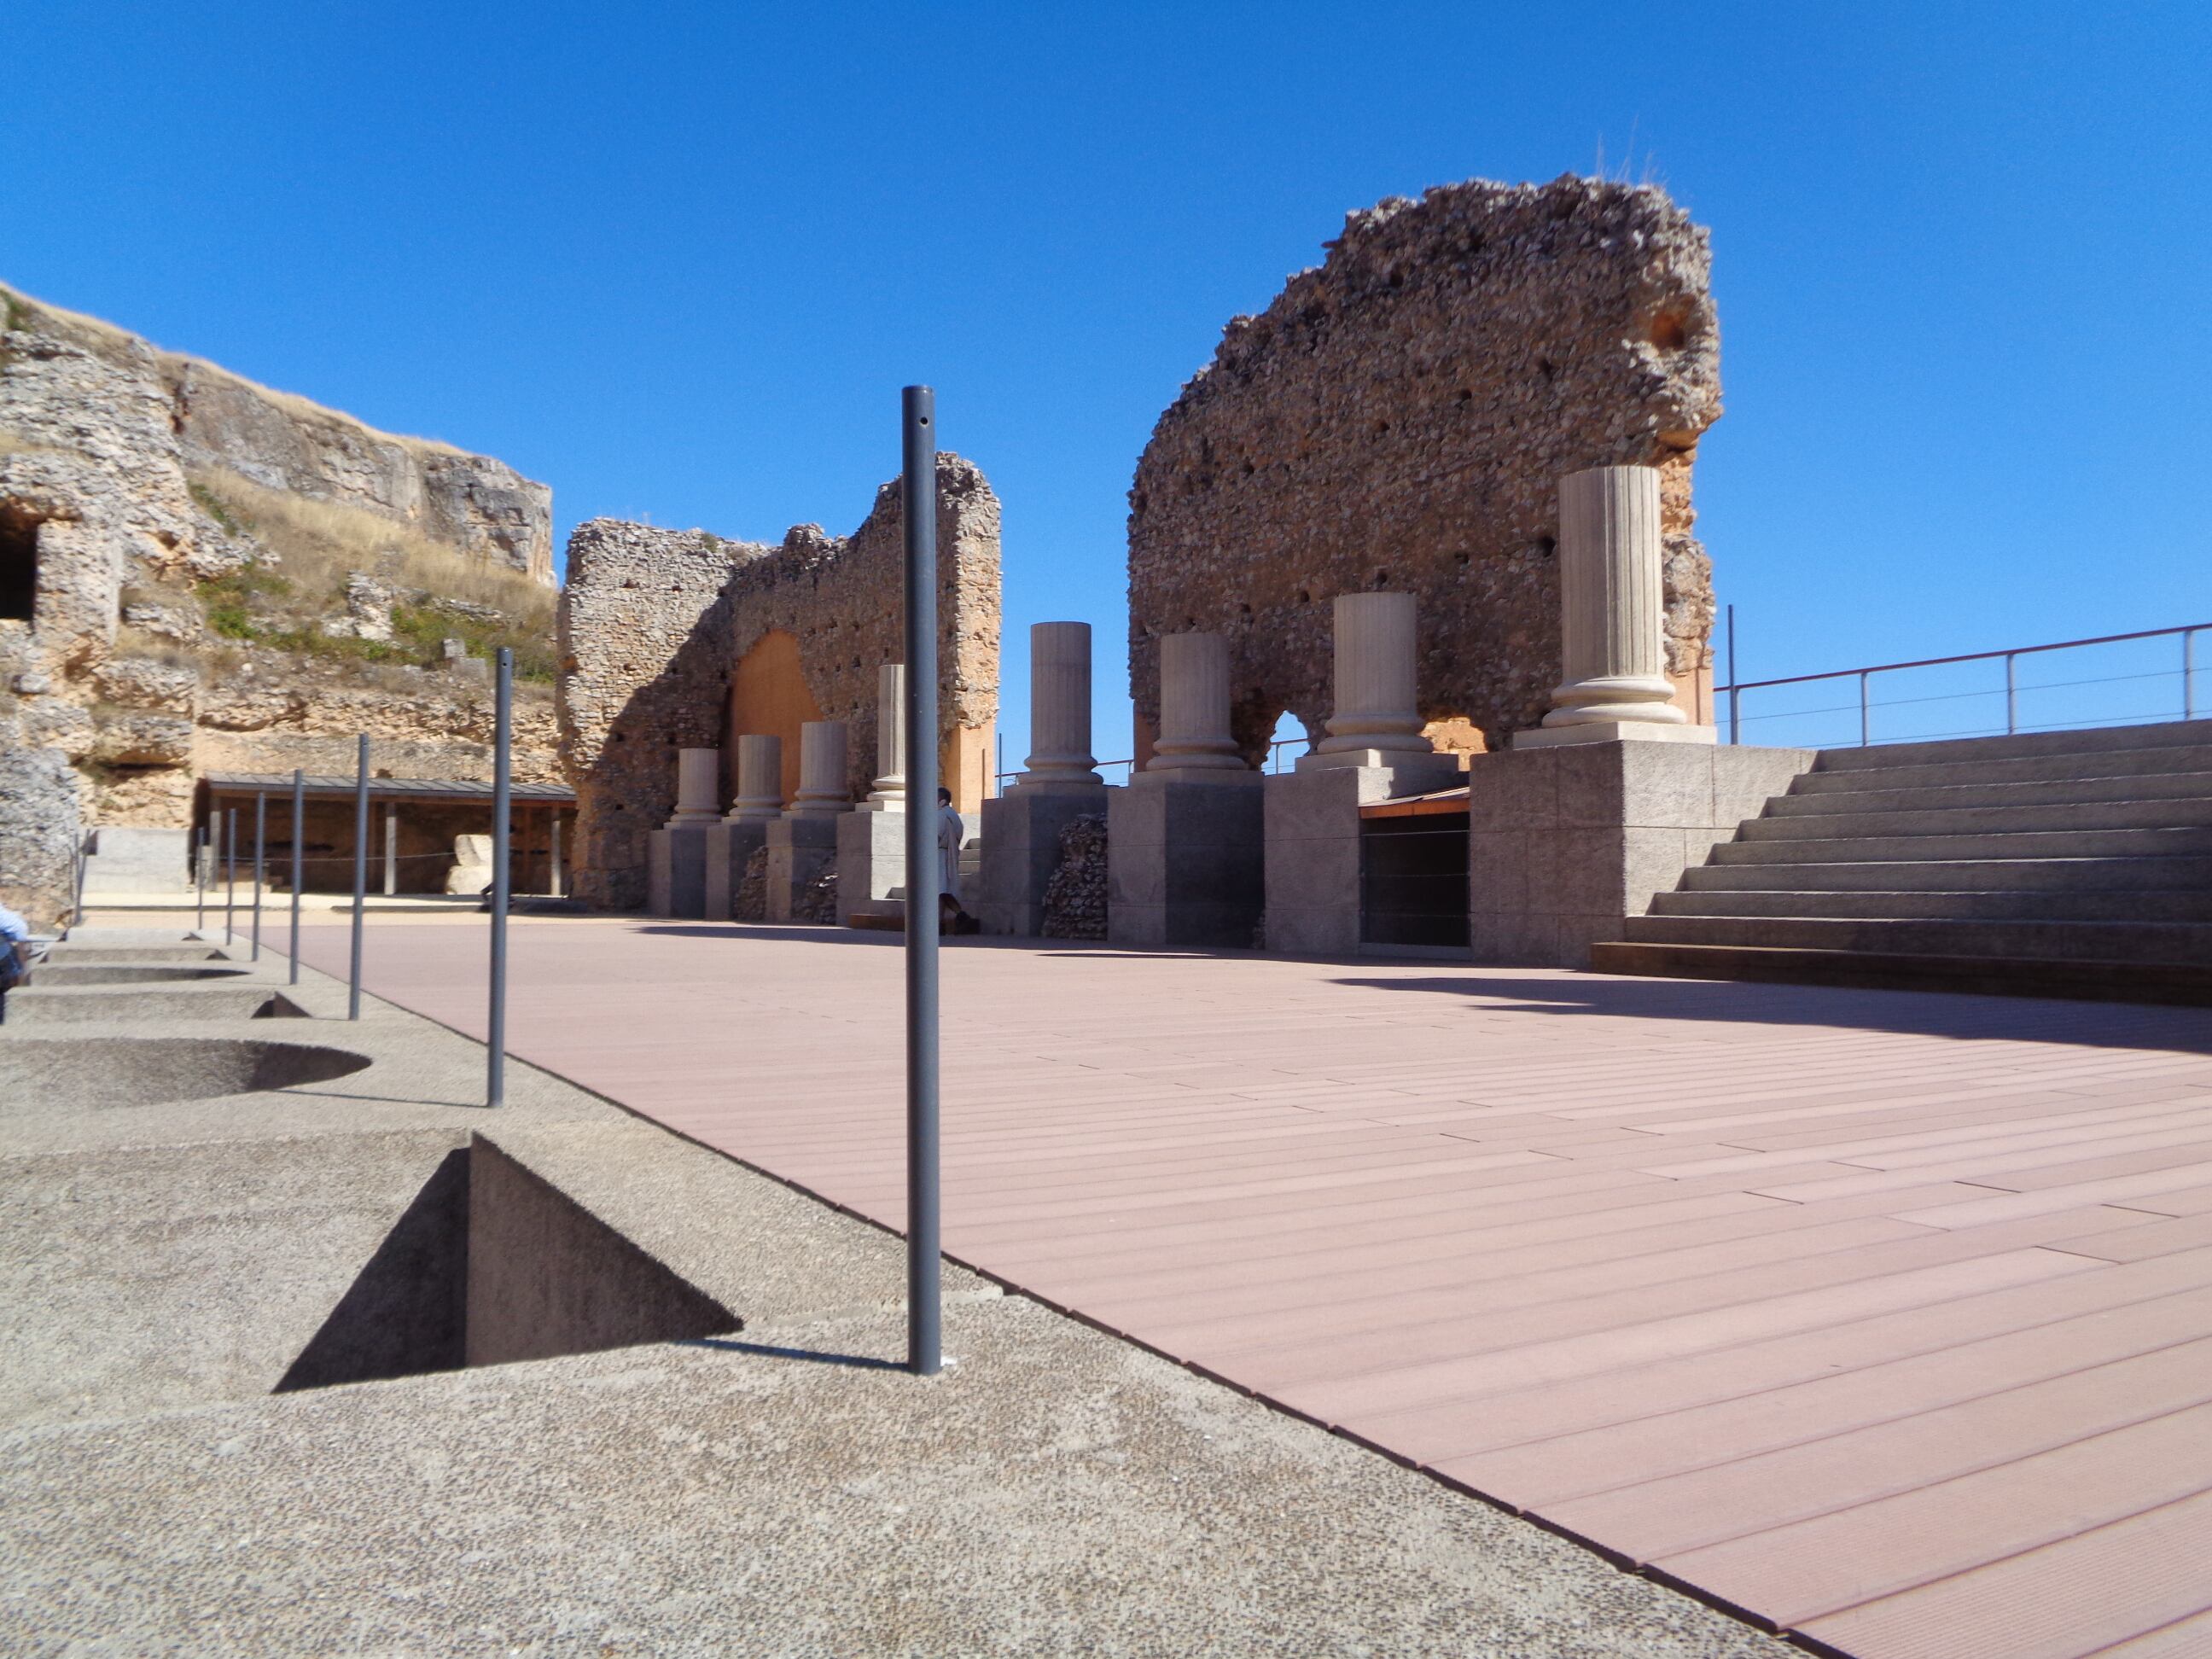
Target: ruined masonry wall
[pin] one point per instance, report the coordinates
(652, 622)
(1399, 417)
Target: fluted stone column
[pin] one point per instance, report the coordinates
(1377, 719)
(822, 763)
(1059, 710)
(760, 780)
(1194, 740)
(1612, 651)
(888, 793)
(698, 776)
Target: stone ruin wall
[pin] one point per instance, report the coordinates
(1399, 417)
(100, 435)
(654, 622)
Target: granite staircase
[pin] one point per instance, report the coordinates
(2052, 864)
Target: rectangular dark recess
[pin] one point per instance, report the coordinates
(1413, 879)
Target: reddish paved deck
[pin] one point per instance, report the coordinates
(1886, 1317)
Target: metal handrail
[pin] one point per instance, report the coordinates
(1274, 749)
(2011, 655)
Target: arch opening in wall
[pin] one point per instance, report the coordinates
(768, 697)
(19, 564)
(1285, 743)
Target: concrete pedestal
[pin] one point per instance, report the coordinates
(799, 848)
(1564, 842)
(1184, 858)
(1021, 849)
(675, 876)
(730, 844)
(1312, 818)
(870, 858)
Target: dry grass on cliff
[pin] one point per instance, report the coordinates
(318, 543)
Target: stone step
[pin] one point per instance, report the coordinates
(2081, 941)
(2021, 768)
(2100, 982)
(2032, 792)
(2165, 874)
(1980, 820)
(1989, 905)
(1952, 752)
(2188, 841)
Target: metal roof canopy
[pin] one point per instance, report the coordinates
(1442, 802)
(435, 789)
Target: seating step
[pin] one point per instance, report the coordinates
(1954, 875)
(2190, 840)
(1955, 751)
(2097, 982)
(2085, 941)
(1967, 820)
(1985, 904)
(1813, 795)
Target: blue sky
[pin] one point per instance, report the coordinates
(677, 261)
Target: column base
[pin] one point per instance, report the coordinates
(676, 871)
(730, 846)
(1185, 857)
(799, 850)
(870, 858)
(1552, 736)
(1021, 849)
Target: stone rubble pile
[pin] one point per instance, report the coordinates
(1075, 898)
(750, 901)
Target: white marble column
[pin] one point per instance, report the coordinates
(1059, 710)
(1194, 737)
(698, 777)
(1377, 712)
(822, 763)
(760, 780)
(888, 793)
(1611, 607)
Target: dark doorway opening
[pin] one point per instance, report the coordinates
(1413, 879)
(19, 564)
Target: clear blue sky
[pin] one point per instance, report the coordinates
(678, 260)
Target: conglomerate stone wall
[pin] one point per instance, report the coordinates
(1400, 418)
(652, 622)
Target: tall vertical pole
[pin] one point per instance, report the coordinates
(553, 884)
(925, 1344)
(1866, 722)
(502, 767)
(360, 872)
(299, 842)
(260, 867)
(390, 847)
(229, 870)
(1736, 733)
(2012, 698)
(2189, 673)
(199, 881)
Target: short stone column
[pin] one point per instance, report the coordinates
(823, 752)
(1612, 649)
(1059, 710)
(1060, 783)
(871, 841)
(1194, 736)
(760, 780)
(676, 870)
(888, 793)
(1378, 718)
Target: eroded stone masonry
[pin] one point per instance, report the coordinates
(1399, 417)
(676, 639)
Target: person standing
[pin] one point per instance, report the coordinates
(951, 831)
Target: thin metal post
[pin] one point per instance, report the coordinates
(199, 881)
(553, 881)
(503, 768)
(360, 872)
(390, 847)
(229, 870)
(261, 844)
(924, 1342)
(299, 842)
(2012, 697)
(1865, 724)
(1736, 733)
(76, 888)
(2189, 673)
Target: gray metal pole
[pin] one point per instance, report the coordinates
(199, 881)
(2012, 698)
(501, 789)
(924, 1289)
(76, 888)
(229, 870)
(299, 843)
(2189, 673)
(390, 847)
(360, 872)
(553, 884)
(1866, 724)
(260, 846)
(1735, 733)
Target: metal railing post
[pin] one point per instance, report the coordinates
(502, 769)
(1866, 725)
(2012, 695)
(199, 881)
(1735, 711)
(925, 1343)
(298, 841)
(229, 871)
(2189, 673)
(390, 847)
(359, 874)
(261, 844)
(553, 876)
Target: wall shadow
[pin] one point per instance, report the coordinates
(1918, 1013)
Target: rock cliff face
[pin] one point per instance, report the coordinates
(178, 591)
(1401, 417)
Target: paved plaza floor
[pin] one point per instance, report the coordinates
(1882, 1316)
